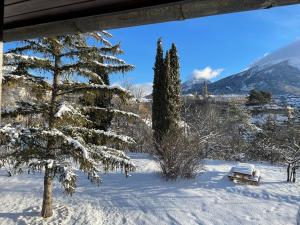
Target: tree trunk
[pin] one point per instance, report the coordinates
(47, 198)
(48, 179)
(288, 173)
(294, 174)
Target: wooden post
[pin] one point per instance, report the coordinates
(1, 51)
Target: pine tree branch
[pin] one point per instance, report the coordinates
(86, 73)
(26, 108)
(31, 46)
(28, 62)
(92, 134)
(37, 82)
(115, 112)
(111, 157)
(68, 88)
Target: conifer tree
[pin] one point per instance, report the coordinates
(175, 84)
(69, 137)
(167, 101)
(103, 99)
(166, 92)
(157, 94)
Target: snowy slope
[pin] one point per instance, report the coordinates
(146, 198)
(290, 54)
(279, 79)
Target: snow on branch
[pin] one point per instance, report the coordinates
(31, 46)
(63, 109)
(106, 33)
(86, 73)
(28, 139)
(111, 50)
(66, 114)
(26, 79)
(73, 87)
(62, 169)
(94, 134)
(108, 67)
(30, 62)
(112, 157)
(99, 37)
(117, 67)
(111, 111)
(25, 108)
(66, 177)
(8, 134)
(112, 59)
(19, 57)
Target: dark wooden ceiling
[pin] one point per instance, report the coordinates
(32, 18)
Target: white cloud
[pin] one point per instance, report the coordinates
(207, 73)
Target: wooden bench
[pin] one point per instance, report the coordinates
(245, 173)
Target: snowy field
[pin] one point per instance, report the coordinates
(145, 198)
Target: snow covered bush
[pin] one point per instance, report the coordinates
(180, 155)
(227, 124)
(74, 132)
(278, 143)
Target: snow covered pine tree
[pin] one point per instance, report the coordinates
(67, 139)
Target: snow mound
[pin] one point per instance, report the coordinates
(32, 216)
(243, 168)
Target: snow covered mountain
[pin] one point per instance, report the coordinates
(290, 54)
(278, 73)
(193, 85)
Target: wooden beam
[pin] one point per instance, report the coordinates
(132, 13)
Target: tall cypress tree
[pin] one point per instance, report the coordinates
(166, 92)
(157, 94)
(175, 90)
(167, 101)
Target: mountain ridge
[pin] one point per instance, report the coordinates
(278, 73)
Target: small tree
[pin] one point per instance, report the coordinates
(279, 142)
(288, 141)
(291, 155)
(68, 137)
(259, 97)
(205, 90)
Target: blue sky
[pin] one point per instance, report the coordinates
(225, 43)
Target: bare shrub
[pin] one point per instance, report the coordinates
(180, 155)
(227, 124)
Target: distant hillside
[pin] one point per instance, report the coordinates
(279, 79)
(278, 73)
(193, 85)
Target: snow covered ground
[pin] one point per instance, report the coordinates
(146, 198)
